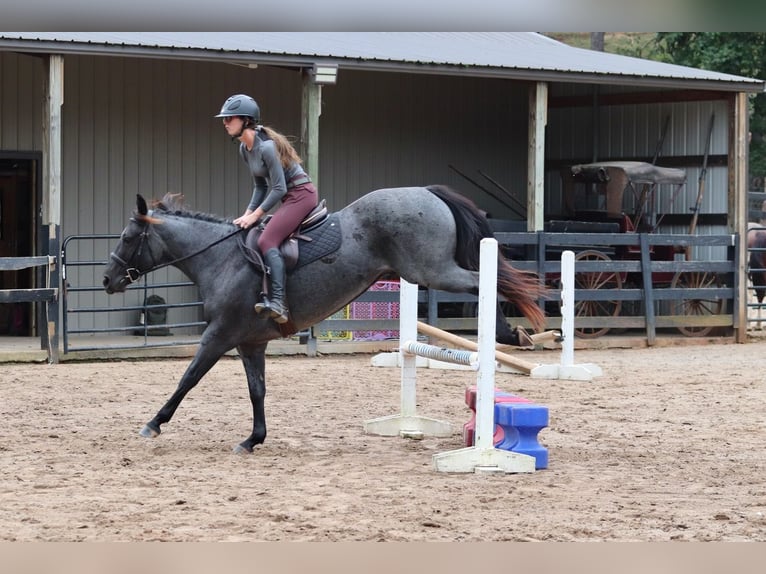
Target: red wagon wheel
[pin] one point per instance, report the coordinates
(595, 280)
(696, 307)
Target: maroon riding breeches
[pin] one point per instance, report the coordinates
(296, 205)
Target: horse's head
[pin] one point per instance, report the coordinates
(133, 256)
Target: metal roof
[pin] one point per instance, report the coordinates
(513, 55)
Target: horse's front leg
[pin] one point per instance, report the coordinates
(254, 361)
(206, 356)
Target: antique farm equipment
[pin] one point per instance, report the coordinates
(622, 197)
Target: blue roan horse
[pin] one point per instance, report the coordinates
(427, 235)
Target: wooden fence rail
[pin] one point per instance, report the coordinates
(48, 295)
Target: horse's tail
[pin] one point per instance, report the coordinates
(521, 288)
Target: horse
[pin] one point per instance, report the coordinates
(756, 247)
(427, 235)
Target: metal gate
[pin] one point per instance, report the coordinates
(90, 316)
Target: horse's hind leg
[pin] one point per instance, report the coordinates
(254, 361)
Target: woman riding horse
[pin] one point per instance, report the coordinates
(277, 176)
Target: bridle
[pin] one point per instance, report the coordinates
(132, 273)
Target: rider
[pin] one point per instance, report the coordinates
(277, 176)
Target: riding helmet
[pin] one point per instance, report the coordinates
(240, 105)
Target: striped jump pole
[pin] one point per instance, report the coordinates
(457, 356)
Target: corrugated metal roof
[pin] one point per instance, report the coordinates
(520, 55)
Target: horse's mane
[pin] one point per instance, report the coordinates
(173, 204)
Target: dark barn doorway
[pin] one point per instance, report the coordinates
(18, 230)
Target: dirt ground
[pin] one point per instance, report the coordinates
(669, 444)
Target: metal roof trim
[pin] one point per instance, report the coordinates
(595, 67)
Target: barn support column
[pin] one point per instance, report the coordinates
(313, 80)
(51, 201)
(311, 109)
(538, 118)
(738, 204)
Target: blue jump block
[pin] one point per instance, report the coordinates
(521, 422)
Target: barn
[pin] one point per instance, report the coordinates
(90, 119)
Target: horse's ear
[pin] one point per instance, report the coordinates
(141, 204)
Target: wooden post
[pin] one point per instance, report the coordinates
(51, 203)
(738, 205)
(310, 112)
(538, 118)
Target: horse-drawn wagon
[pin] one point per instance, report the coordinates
(623, 197)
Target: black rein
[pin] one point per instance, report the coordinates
(131, 271)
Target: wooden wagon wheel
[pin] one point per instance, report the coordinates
(697, 307)
(595, 280)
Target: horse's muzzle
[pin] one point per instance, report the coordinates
(112, 287)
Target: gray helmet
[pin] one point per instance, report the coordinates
(240, 105)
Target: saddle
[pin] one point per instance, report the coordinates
(290, 247)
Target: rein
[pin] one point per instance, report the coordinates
(133, 273)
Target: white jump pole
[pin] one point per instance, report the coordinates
(567, 369)
(408, 423)
(483, 456)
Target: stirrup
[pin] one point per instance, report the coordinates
(280, 316)
(278, 313)
(262, 305)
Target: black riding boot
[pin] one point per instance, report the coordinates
(275, 301)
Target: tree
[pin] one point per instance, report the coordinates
(738, 53)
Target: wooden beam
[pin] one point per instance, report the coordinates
(27, 295)
(738, 204)
(54, 99)
(310, 112)
(634, 98)
(538, 118)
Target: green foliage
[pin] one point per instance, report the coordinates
(738, 53)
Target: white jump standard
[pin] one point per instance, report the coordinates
(483, 456)
(567, 369)
(408, 423)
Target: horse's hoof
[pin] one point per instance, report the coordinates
(241, 449)
(149, 432)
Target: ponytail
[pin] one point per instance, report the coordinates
(287, 153)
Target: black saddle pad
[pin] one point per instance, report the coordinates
(324, 239)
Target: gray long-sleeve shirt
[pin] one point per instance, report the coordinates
(269, 177)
